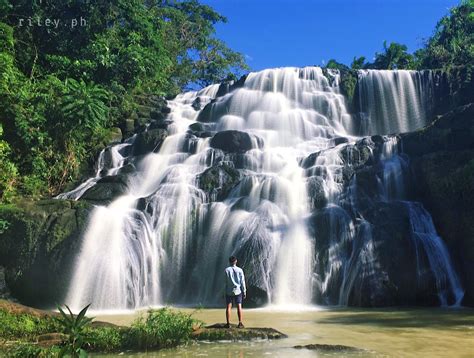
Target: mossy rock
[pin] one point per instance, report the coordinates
(219, 332)
(218, 181)
(39, 245)
(107, 189)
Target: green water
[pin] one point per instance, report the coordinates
(380, 333)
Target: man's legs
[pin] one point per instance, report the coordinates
(239, 300)
(239, 312)
(227, 312)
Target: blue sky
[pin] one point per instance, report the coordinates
(274, 33)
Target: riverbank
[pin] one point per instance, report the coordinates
(394, 332)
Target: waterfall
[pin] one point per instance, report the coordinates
(266, 169)
(394, 101)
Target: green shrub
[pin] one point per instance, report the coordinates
(161, 329)
(24, 326)
(28, 350)
(105, 339)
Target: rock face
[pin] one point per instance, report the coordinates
(39, 246)
(232, 141)
(443, 163)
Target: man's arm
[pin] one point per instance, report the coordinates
(244, 288)
(225, 282)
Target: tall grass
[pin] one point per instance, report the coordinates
(162, 328)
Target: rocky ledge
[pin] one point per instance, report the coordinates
(219, 332)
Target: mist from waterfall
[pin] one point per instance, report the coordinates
(166, 240)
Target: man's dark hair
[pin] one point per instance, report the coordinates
(232, 259)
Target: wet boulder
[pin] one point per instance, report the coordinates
(310, 160)
(149, 141)
(217, 181)
(232, 141)
(107, 189)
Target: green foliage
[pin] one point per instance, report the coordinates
(62, 87)
(29, 350)
(160, 329)
(84, 106)
(358, 63)
(452, 43)
(24, 325)
(394, 57)
(8, 172)
(74, 327)
(105, 339)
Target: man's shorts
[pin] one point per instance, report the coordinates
(234, 299)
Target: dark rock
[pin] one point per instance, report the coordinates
(4, 291)
(310, 160)
(356, 155)
(377, 139)
(232, 141)
(329, 348)
(390, 245)
(128, 168)
(107, 189)
(340, 140)
(157, 115)
(450, 132)
(217, 181)
(316, 192)
(256, 297)
(159, 124)
(197, 127)
(442, 161)
(149, 141)
(206, 114)
(445, 184)
(197, 104)
(39, 247)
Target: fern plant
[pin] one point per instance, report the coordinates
(74, 327)
(84, 104)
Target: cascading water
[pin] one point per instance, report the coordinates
(268, 170)
(394, 101)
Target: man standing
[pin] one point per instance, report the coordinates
(235, 289)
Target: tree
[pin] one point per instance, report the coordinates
(394, 57)
(452, 43)
(358, 63)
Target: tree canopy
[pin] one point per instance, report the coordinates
(63, 83)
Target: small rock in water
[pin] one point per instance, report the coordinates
(329, 348)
